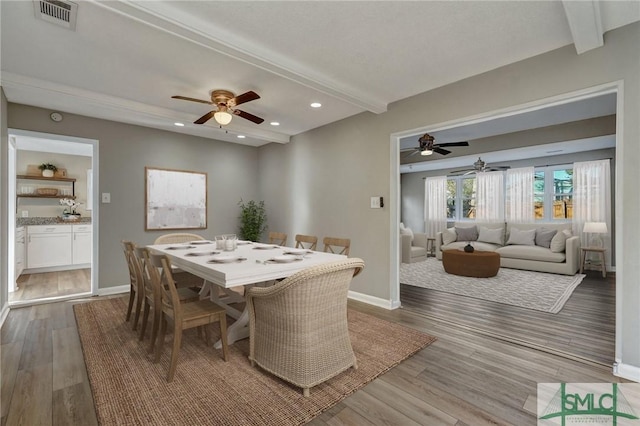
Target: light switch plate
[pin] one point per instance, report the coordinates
(106, 197)
(376, 203)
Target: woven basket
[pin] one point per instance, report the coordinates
(47, 191)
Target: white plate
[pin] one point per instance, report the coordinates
(202, 253)
(243, 243)
(265, 246)
(298, 252)
(287, 258)
(225, 258)
(200, 242)
(180, 247)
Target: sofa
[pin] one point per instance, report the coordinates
(413, 245)
(542, 247)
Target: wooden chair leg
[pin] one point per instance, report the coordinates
(175, 351)
(163, 331)
(145, 319)
(157, 316)
(132, 297)
(305, 392)
(223, 336)
(138, 309)
(207, 334)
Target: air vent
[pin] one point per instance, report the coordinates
(57, 12)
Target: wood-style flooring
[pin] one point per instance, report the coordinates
(51, 284)
(585, 327)
(464, 378)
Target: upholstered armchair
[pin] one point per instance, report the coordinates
(298, 327)
(413, 246)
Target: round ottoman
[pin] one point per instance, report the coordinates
(479, 264)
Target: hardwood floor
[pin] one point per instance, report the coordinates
(464, 378)
(51, 284)
(584, 328)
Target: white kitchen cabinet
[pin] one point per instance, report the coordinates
(81, 244)
(20, 248)
(49, 245)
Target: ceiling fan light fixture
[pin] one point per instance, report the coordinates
(222, 117)
(426, 152)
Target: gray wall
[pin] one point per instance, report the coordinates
(320, 183)
(124, 151)
(4, 152)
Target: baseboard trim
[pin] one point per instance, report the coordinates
(114, 290)
(375, 301)
(626, 371)
(4, 314)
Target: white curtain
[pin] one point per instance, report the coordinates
(519, 195)
(592, 199)
(490, 197)
(435, 199)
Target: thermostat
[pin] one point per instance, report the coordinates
(56, 116)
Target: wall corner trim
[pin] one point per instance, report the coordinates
(626, 371)
(114, 290)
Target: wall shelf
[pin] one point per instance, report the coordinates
(45, 196)
(55, 179)
(64, 180)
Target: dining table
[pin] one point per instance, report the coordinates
(225, 273)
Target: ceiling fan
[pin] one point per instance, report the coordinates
(480, 166)
(428, 146)
(225, 101)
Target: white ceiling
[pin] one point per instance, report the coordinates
(125, 60)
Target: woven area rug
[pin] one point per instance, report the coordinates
(526, 289)
(128, 389)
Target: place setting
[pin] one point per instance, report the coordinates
(200, 242)
(286, 258)
(261, 246)
(226, 258)
(187, 247)
(202, 253)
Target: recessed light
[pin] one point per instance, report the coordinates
(241, 136)
(179, 124)
(275, 123)
(316, 105)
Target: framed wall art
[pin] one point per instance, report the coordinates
(175, 199)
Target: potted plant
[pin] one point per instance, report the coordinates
(48, 169)
(253, 220)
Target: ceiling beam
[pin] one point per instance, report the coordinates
(585, 23)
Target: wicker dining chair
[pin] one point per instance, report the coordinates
(177, 238)
(298, 327)
(337, 245)
(309, 242)
(136, 290)
(152, 294)
(279, 238)
(183, 315)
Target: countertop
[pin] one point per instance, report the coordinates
(30, 221)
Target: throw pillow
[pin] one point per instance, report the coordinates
(407, 231)
(558, 242)
(493, 236)
(544, 236)
(449, 236)
(402, 226)
(522, 238)
(467, 234)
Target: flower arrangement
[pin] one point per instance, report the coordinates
(70, 206)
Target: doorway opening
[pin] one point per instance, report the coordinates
(53, 217)
(608, 356)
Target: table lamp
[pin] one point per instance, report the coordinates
(595, 229)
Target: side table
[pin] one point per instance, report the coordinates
(431, 247)
(600, 252)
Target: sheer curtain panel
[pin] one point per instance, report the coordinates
(490, 197)
(519, 195)
(592, 199)
(435, 199)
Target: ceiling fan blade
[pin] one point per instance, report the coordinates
(441, 151)
(245, 97)
(453, 144)
(208, 116)
(248, 116)
(413, 153)
(184, 98)
(409, 149)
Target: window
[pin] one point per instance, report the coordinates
(552, 195)
(553, 189)
(461, 191)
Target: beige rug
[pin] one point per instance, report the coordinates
(526, 289)
(128, 389)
